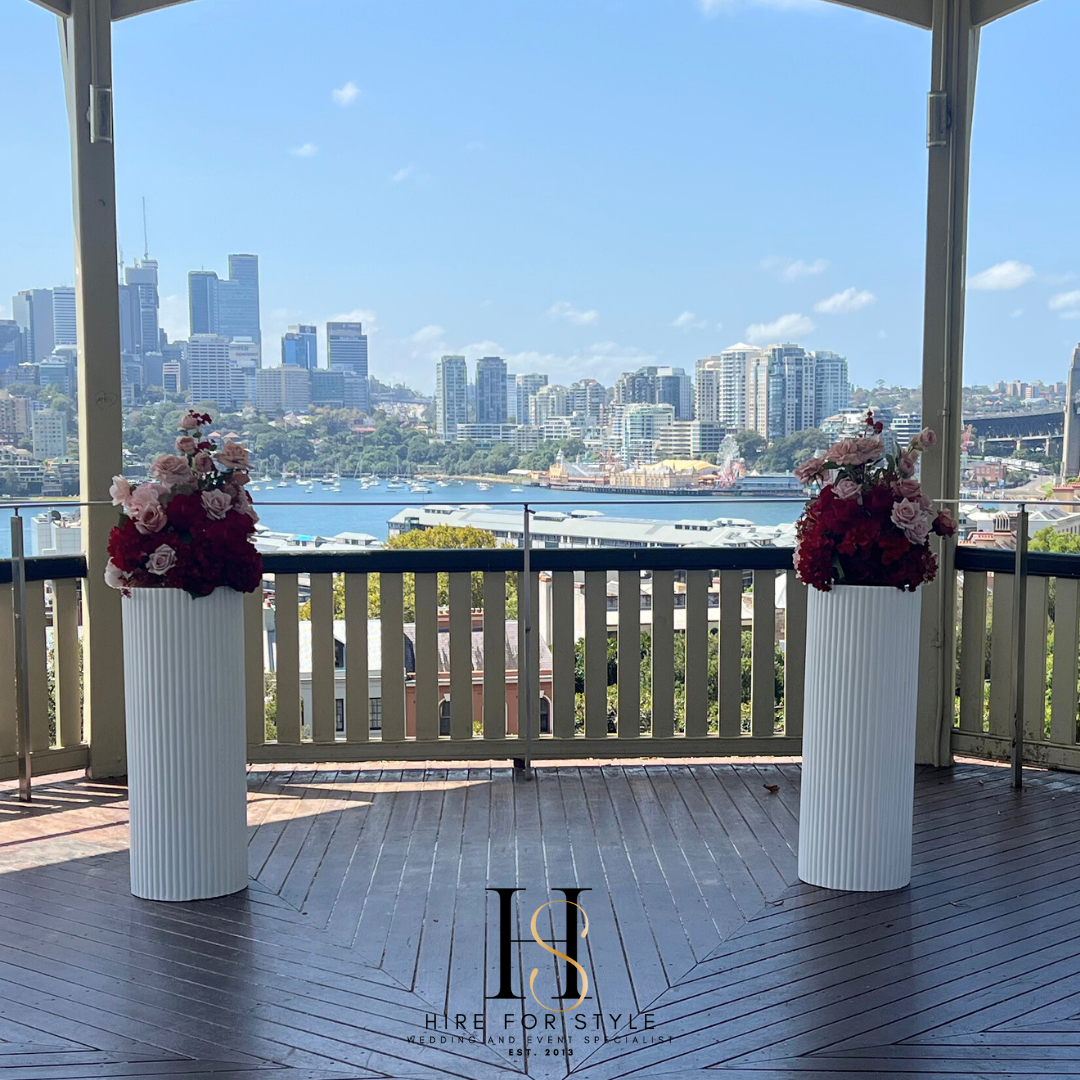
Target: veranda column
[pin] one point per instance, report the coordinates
(955, 54)
(85, 48)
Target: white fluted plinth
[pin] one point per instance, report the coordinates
(184, 687)
(858, 774)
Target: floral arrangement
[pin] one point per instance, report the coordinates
(870, 523)
(189, 527)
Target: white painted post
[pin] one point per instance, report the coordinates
(955, 53)
(85, 46)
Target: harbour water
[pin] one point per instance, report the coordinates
(324, 512)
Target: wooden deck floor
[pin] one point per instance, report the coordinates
(367, 921)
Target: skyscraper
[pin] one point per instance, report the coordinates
(347, 350)
(300, 347)
(209, 370)
(142, 296)
(723, 388)
(203, 302)
(451, 396)
(587, 401)
(65, 331)
(491, 390)
(1070, 456)
(832, 391)
(32, 309)
(238, 300)
(10, 344)
(526, 387)
(226, 306)
(657, 386)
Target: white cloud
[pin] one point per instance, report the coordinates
(428, 333)
(844, 303)
(1001, 276)
(360, 315)
(786, 328)
(566, 311)
(346, 94)
(402, 174)
(689, 321)
(1066, 304)
(1017, 313)
(308, 149)
(793, 269)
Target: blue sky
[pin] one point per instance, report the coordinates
(582, 186)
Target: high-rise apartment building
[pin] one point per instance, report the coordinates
(32, 310)
(300, 347)
(642, 426)
(65, 330)
(209, 370)
(50, 435)
(139, 303)
(549, 401)
(587, 401)
(832, 391)
(11, 344)
(1070, 457)
(451, 397)
(722, 394)
(280, 390)
(525, 387)
(171, 377)
(491, 390)
(657, 386)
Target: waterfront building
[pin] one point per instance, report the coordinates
(281, 390)
(723, 394)
(451, 397)
(832, 390)
(642, 425)
(491, 390)
(486, 434)
(689, 439)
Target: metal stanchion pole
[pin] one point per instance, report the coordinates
(1019, 643)
(22, 649)
(525, 662)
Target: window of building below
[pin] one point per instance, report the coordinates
(375, 713)
(444, 716)
(339, 716)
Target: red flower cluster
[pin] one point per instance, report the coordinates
(870, 524)
(190, 527)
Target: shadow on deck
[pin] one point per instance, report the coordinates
(367, 923)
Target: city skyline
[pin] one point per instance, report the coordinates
(413, 203)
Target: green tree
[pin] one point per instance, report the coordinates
(1049, 539)
(791, 450)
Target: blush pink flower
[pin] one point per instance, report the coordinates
(809, 470)
(847, 489)
(232, 456)
(151, 519)
(905, 464)
(910, 518)
(120, 492)
(907, 489)
(185, 445)
(203, 463)
(145, 495)
(216, 503)
(859, 451)
(189, 422)
(927, 437)
(161, 560)
(172, 471)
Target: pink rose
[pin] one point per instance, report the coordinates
(240, 477)
(161, 560)
(905, 464)
(216, 503)
(859, 451)
(189, 422)
(809, 470)
(945, 524)
(143, 496)
(847, 489)
(120, 492)
(910, 518)
(232, 456)
(203, 463)
(927, 437)
(185, 445)
(151, 519)
(907, 489)
(172, 471)
(115, 578)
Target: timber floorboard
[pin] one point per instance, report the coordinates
(368, 942)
